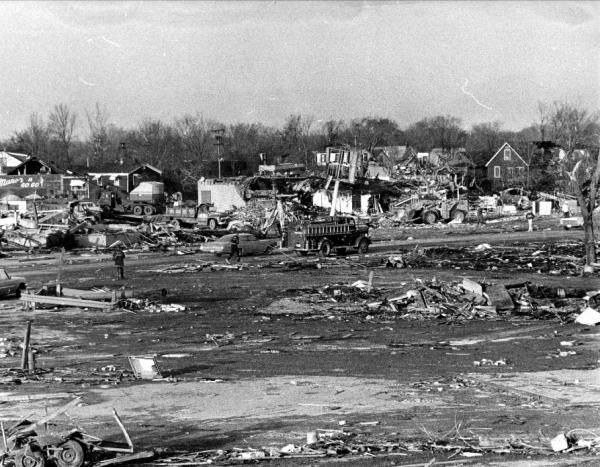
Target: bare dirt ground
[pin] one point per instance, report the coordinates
(243, 373)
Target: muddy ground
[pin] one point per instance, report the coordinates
(244, 373)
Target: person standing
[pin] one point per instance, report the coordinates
(235, 248)
(119, 259)
(480, 219)
(530, 216)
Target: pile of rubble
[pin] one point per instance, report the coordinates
(450, 301)
(149, 306)
(557, 259)
(323, 443)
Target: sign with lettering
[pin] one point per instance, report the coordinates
(23, 185)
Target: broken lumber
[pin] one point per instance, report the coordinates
(31, 428)
(127, 458)
(64, 301)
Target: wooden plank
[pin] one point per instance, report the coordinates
(64, 301)
(94, 294)
(122, 459)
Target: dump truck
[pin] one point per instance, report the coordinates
(147, 199)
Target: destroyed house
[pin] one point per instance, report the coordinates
(397, 159)
(506, 168)
(337, 161)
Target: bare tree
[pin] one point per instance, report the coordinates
(61, 125)
(576, 130)
(98, 125)
(157, 139)
(572, 125)
(585, 175)
(195, 137)
(34, 138)
(543, 118)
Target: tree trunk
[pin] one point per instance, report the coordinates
(589, 244)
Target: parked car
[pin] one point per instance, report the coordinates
(11, 285)
(249, 245)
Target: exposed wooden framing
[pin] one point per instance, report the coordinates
(31, 428)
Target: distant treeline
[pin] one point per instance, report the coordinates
(189, 147)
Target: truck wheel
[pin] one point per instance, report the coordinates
(458, 215)
(138, 210)
(36, 459)
(212, 224)
(148, 210)
(325, 248)
(71, 454)
(363, 246)
(429, 217)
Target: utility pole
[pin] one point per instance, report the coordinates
(218, 132)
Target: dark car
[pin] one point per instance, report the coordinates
(249, 245)
(11, 285)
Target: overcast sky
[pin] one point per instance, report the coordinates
(261, 61)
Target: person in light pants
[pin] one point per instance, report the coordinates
(530, 216)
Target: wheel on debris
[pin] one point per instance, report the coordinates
(212, 224)
(35, 459)
(148, 210)
(138, 210)
(70, 454)
(175, 224)
(325, 248)
(429, 217)
(363, 246)
(458, 215)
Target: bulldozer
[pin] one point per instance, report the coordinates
(430, 211)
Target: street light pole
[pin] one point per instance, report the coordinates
(219, 138)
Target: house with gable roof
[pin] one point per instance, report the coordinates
(506, 168)
(10, 160)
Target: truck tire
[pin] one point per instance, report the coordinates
(324, 248)
(212, 224)
(71, 454)
(36, 459)
(429, 217)
(458, 215)
(138, 210)
(148, 210)
(363, 246)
